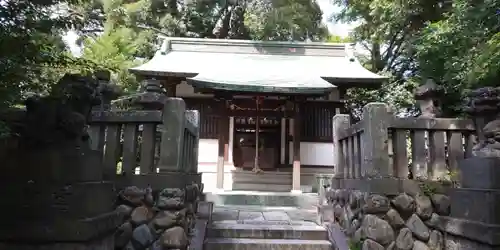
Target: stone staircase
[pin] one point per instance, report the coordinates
(265, 221)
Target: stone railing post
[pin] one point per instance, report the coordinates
(194, 118)
(172, 139)
(375, 139)
(340, 122)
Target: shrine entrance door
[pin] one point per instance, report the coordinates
(246, 140)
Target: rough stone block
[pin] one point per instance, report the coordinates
(476, 204)
(479, 172)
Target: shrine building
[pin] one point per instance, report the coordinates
(263, 105)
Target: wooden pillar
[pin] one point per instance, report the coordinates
(296, 150)
(222, 137)
(283, 142)
(170, 85)
(231, 140)
(341, 93)
(289, 134)
(337, 95)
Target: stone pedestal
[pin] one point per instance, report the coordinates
(476, 205)
(56, 199)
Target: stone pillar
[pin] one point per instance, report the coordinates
(340, 123)
(173, 135)
(296, 150)
(194, 117)
(375, 162)
(108, 93)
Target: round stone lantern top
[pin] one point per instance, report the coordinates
(428, 90)
(484, 100)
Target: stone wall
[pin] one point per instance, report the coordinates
(375, 221)
(156, 222)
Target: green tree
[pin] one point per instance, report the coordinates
(456, 43)
(32, 53)
(119, 31)
(462, 51)
(388, 31)
(115, 52)
(285, 20)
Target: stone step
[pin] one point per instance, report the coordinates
(267, 231)
(265, 244)
(263, 174)
(262, 187)
(259, 208)
(262, 179)
(231, 212)
(270, 199)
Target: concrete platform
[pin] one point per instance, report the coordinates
(266, 244)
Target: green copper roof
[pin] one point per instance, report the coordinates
(250, 81)
(283, 67)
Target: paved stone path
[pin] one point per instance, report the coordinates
(264, 215)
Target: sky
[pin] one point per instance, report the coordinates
(340, 29)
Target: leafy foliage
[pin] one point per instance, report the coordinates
(32, 53)
(119, 31)
(462, 51)
(455, 42)
(114, 51)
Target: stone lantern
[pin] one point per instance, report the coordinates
(107, 91)
(427, 97)
(483, 106)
